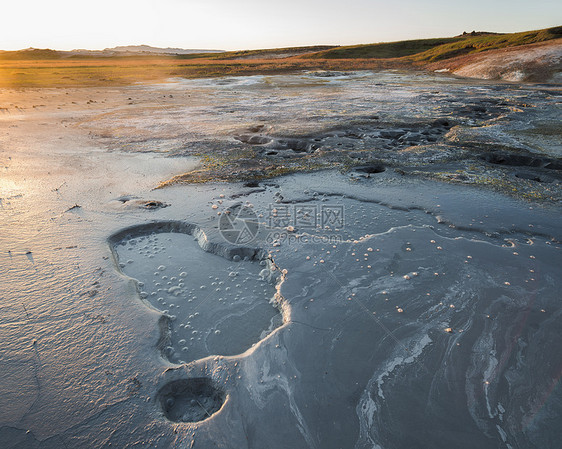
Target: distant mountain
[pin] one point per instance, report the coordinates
(32, 53)
(157, 50)
(135, 50)
(129, 50)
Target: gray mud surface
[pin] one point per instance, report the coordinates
(504, 137)
(406, 297)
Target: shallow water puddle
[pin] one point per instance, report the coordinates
(214, 306)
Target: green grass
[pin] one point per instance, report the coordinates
(266, 53)
(31, 54)
(477, 44)
(383, 50)
(430, 50)
(46, 54)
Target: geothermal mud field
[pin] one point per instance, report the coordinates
(379, 266)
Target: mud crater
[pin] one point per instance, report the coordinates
(530, 167)
(190, 400)
(353, 137)
(211, 305)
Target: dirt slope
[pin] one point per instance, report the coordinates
(541, 63)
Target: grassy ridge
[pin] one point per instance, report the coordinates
(482, 43)
(47, 54)
(266, 53)
(383, 50)
(430, 50)
(30, 54)
(40, 54)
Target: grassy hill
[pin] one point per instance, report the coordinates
(31, 54)
(478, 44)
(384, 50)
(431, 50)
(49, 68)
(271, 53)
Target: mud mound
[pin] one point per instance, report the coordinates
(540, 63)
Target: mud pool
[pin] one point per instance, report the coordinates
(371, 307)
(213, 306)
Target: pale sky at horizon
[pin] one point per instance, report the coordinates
(249, 24)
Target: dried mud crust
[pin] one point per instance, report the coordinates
(431, 149)
(260, 154)
(133, 203)
(522, 160)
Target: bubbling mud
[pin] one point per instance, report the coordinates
(211, 305)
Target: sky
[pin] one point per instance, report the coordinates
(250, 24)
